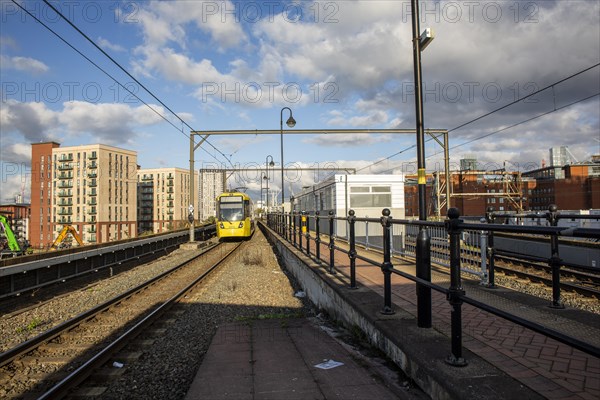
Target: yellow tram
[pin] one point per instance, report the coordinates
(234, 215)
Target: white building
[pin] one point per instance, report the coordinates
(367, 195)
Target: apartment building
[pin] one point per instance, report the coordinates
(41, 230)
(164, 198)
(91, 187)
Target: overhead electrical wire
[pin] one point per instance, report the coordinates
(115, 80)
(513, 125)
(496, 110)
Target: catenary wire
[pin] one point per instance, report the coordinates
(492, 112)
(511, 126)
(115, 80)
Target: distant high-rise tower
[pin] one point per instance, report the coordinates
(560, 156)
(469, 163)
(212, 184)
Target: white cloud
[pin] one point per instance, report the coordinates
(25, 64)
(108, 123)
(107, 45)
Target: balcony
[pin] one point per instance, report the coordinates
(91, 229)
(170, 176)
(65, 185)
(92, 174)
(64, 202)
(65, 167)
(92, 202)
(170, 190)
(92, 165)
(92, 156)
(92, 211)
(64, 211)
(170, 183)
(65, 176)
(65, 193)
(65, 157)
(146, 212)
(64, 220)
(170, 197)
(170, 212)
(147, 177)
(92, 193)
(92, 183)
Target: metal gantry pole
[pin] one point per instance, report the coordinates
(191, 207)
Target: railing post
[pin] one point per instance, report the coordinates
(331, 245)
(483, 246)
(295, 226)
(317, 238)
(456, 291)
(280, 223)
(290, 226)
(555, 260)
(301, 233)
(352, 253)
(490, 218)
(366, 234)
(307, 234)
(386, 266)
(423, 271)
(284, 225)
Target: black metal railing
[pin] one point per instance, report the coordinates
(295, 227)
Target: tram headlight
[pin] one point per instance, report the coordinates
(241, 225)
(221, 226)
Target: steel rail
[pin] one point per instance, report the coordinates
(63, 387)
(31, 344)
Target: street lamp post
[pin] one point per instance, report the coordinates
(267, 165)
(291, 122)
(423, 254)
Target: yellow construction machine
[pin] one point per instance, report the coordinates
(60, 240)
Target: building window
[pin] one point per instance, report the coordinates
(370, 196)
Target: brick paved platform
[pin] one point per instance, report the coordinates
(276, 359)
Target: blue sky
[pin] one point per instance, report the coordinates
(234, 65)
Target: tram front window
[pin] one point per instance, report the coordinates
(231, 212)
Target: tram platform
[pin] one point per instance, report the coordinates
(287, 359)
(504, 360)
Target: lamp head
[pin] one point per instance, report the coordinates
(291, 122)
(271, 164)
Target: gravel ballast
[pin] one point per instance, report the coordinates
(250, 286)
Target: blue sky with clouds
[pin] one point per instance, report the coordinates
(224, 65)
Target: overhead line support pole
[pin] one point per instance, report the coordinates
(191, 208)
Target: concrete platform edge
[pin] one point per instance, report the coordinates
(420, 353)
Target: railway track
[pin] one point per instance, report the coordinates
(53, 363)
(584, 283)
